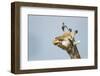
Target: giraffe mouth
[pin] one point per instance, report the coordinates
(61, 42)
(56, 42)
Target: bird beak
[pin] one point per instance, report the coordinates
(76, 42)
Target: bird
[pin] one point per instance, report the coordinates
(64, 26)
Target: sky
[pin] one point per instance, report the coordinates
(42, 30)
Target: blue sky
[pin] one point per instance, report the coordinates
(43, 29)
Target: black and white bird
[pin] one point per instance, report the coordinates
(64, 26)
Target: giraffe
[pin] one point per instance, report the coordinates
(67, 42)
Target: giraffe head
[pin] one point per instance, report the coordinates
(66, 40)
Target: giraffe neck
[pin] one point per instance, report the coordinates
(73, 52)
